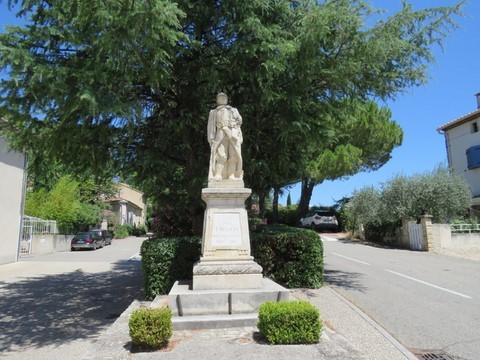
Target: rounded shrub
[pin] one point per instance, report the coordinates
(289, 322)
(292, 257)
(151, 327)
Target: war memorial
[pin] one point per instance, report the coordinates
(227, 287)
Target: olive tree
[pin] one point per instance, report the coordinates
(439, 193)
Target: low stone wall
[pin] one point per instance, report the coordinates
(444, 239)
(464, 241)
(49, 243)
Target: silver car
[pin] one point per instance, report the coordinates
(86, 240)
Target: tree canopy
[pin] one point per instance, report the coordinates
(439, 193)
(75, 206)
(363, 137)
(127, 85)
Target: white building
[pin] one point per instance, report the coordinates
(462, 139)
(12, 190)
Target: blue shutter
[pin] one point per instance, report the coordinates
(473, 157)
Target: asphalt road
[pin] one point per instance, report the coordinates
(429, 302)
(55, 306)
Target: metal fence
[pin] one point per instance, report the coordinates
(34, 226)
(465, 228)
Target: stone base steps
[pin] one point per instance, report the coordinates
(216, 309)
(196, 322)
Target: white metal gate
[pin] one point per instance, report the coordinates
(415, 234)
(33, 226)
(26, 241)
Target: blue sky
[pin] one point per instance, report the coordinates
(454, 80)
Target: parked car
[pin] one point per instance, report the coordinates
(106, 235)
(86, 240)
(320, 220)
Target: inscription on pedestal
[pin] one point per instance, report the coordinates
(226, 230)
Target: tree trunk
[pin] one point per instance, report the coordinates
(306, 195)
(261, 204)
(194, 190)
(276, 192)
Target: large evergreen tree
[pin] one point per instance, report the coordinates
(362, 140)
(129, 83)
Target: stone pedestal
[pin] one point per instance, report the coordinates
(226, 262)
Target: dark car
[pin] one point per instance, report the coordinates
(86, 240)
(106, 235)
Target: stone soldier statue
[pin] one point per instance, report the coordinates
(225, 138)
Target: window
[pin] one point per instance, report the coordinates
(474, 127)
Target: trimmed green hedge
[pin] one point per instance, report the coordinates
(166, 260)
(292, 257)
(289, 322)
(151, 327)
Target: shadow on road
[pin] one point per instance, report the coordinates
(54, 309)
(344, 279)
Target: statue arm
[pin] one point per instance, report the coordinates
(211, 128)
(237, 116)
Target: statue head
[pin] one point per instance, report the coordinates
(222, 99)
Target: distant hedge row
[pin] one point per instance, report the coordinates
(292, 257)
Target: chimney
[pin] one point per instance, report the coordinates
(477, 95)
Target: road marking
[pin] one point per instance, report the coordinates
(428, 284)
(328, 238)
(134, 257)
(349, 258)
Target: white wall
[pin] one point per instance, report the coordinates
(444, 239)
(460, 139)
(11, 193)
(49, 243)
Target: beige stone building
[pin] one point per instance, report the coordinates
(12, 191)
(129, 205)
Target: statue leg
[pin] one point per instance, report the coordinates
(232, 162)
(221, 159)
(239, 163)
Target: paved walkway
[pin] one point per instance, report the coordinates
(348, 334)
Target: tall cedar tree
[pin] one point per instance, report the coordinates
(129, 84)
